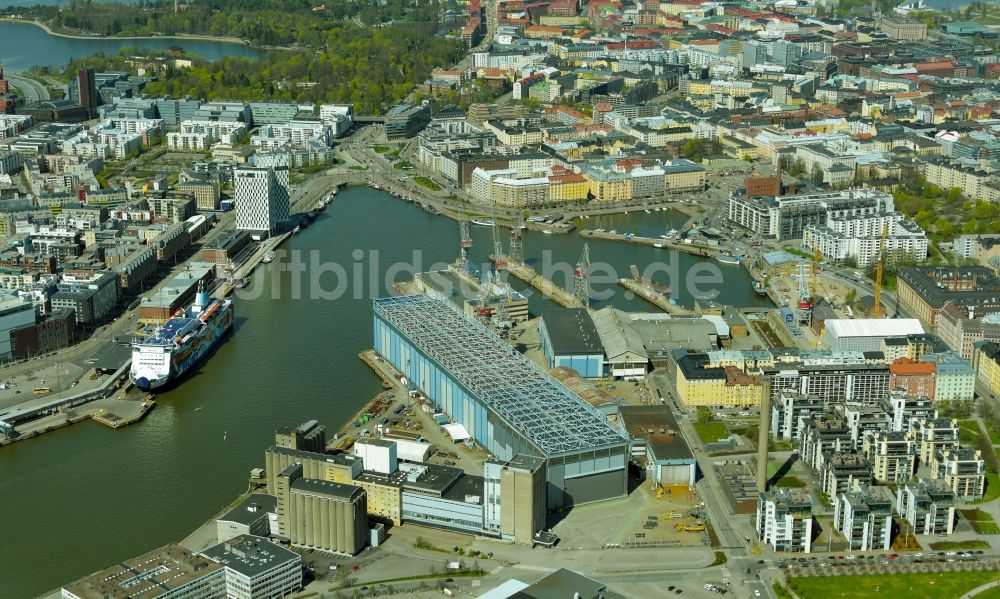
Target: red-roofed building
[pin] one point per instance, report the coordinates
(634, 45)
(562, 8)
(567, 115)
(473, 31)
(917, 379)
(493, 74)
(726, 31)
(777, 16)
(543, 32)
(980, 112)
(940, 68)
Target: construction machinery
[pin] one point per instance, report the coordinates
(804, 306)
(498, 257)
(581, 284)
(669, 515)
(879, 271)
(465, 241)
(696, 527)
(516, 253)
(814, 281)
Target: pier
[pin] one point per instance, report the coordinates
(545, 286)
(652, 292)
(688, 248)
(135, 411)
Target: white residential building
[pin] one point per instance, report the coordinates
(928, 506)
(859, 238)
(262, 199)
(784, 520)
(299, 133)
(338, 116)
(865, 518)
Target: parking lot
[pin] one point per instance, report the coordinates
(889, 563)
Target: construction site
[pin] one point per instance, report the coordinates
(808, 293)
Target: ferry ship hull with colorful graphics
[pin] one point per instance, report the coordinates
(180, 343)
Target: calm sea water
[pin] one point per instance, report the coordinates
(84, 497)
(25, 45)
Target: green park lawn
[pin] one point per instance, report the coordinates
(968, 431)
(981, 522)
(959, 545)
(425, 182)
(711, 432)
(936, 585)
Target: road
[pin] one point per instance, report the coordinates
(33, 90)
(745, 568)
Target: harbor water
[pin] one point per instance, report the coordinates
(84, 497)
(25, 46)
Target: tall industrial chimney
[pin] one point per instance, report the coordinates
(765, 429)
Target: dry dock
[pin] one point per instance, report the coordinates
(545, 286)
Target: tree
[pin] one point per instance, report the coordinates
(704, 415)
(693, 149)
(817, 174)
(851, 297)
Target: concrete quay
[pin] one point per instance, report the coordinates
(545, 286)
(657, 297)
(688, 248)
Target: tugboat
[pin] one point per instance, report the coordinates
(759, 288)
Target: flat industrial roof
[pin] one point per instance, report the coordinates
(327, 488)
(563, 584)
(572, 331)
(251, 509)
(150, 575)
(873, 327)
(659, 428)
(533, 403)
(250, 555)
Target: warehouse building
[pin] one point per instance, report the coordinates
(508, 405)
(251, 517)
(569, 339)
(866, 334)
(657, 442)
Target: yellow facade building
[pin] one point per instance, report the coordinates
(986, 359)
(727, 387)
